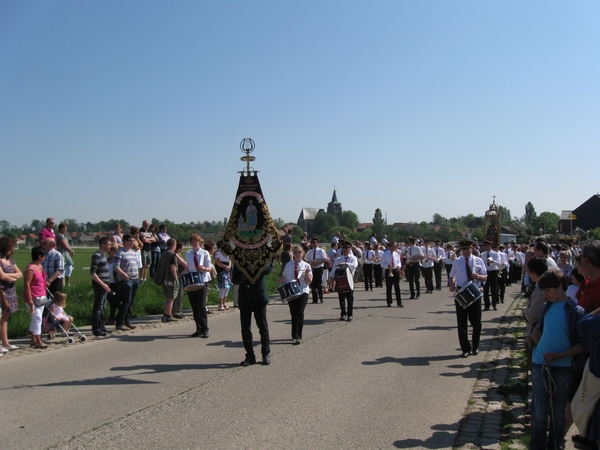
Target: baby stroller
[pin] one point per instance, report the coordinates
(50, 324)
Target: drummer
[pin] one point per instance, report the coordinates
(347, 260)
(198, 260)
(466, 269)
(299, 270)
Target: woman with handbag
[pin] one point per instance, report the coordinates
(9, 273)
(34, 295)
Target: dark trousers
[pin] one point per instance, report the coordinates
(260, 317)
(114, 300)
(98, 309)
(471, 315)
(491, 285)
(155, 254)
(127, 292)
(316, 286)
(56, 286)
(448, 269)
(502, 283)
(297, 307)
(368, 276)
(378, 273)
(392, 279)
(428, 276)
(437, 271)
(198, 303)
(413, 272)
(346, 297)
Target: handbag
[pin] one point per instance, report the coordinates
(4, 301)
(585, 399)
(40, 301)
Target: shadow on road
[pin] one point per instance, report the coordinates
(439, 439)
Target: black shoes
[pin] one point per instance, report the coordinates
(418, 296)
(342, 317)
(389, 305)
(487, 308)
(296, 341)
(178, 315)
(204, 335)
(107, 331)
(349, 319)
(196, 334)
(266, 360)
(400, 305)
(466, 354)
(412, 297)
(475, 351)
(167, 318)
(130, 326)
(99, 333)
(247, 362)
(495, 309)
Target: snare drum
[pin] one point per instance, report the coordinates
(343, 279)
(193, 281)
(468, 294)
(289, 291)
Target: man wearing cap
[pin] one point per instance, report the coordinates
(449, 258)
(414, 255)
(468, 268)
(503, 274)
(369, 256)
(391, 262)
(346, 260)
(316, 257)
(492, 261)
(428, 263)
(440, 254)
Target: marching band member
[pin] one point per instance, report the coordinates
(316, 257)
(346, 260)
(468, 268)
(440, 254)
(391, 262)
(298, 270)
(428, 263)
(449, 260)
(198, 260)
(377, 270)
(492, 260)
(414, 255)
(369, 256)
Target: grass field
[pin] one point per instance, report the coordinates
(80, 298)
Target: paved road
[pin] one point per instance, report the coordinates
(392, 378)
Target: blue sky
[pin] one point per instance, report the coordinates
(135, 109)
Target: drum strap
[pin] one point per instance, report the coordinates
(296, 272)
(469, 271)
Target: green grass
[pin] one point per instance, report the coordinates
(80, 298)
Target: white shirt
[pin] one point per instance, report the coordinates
(203, 260)
(316, 254)
(413, 251)
(459, 270)
(303, 270)
(388, 257)
(429, 258)
(450, 256)
(495, 260)
(349, 260)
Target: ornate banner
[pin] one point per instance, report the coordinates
(251, 237)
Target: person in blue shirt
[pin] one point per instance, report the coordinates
(558, 350)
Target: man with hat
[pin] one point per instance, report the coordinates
(449, 258)
(414, 255)
(391, 262)
(428, 263)
(369, 256)
(492, 261)
(316, 257)
(346, 260)
(440, 254)
(468, 268)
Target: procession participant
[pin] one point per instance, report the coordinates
(331, 255)
(428, 263)
(53, 266)
(301, 271)
(253, 299)
(369, 256)
(165, 274)
(440, 254)
(100, 274)
(198, 260)
(414, 255)
(147, 238)
(346, 260)
(449, 258)
(492, 262)
(357, 252)
(377, 270)
(392, 263)
(125, 263)
(181, 268)
(464, 269)
(47, 231)
(316, 257)
(503, 274)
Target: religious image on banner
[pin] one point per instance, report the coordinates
(251, 238)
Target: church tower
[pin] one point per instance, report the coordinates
(334, 207)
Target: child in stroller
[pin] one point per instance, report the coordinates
(58, 316)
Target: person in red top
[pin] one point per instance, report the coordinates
(588, 296)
